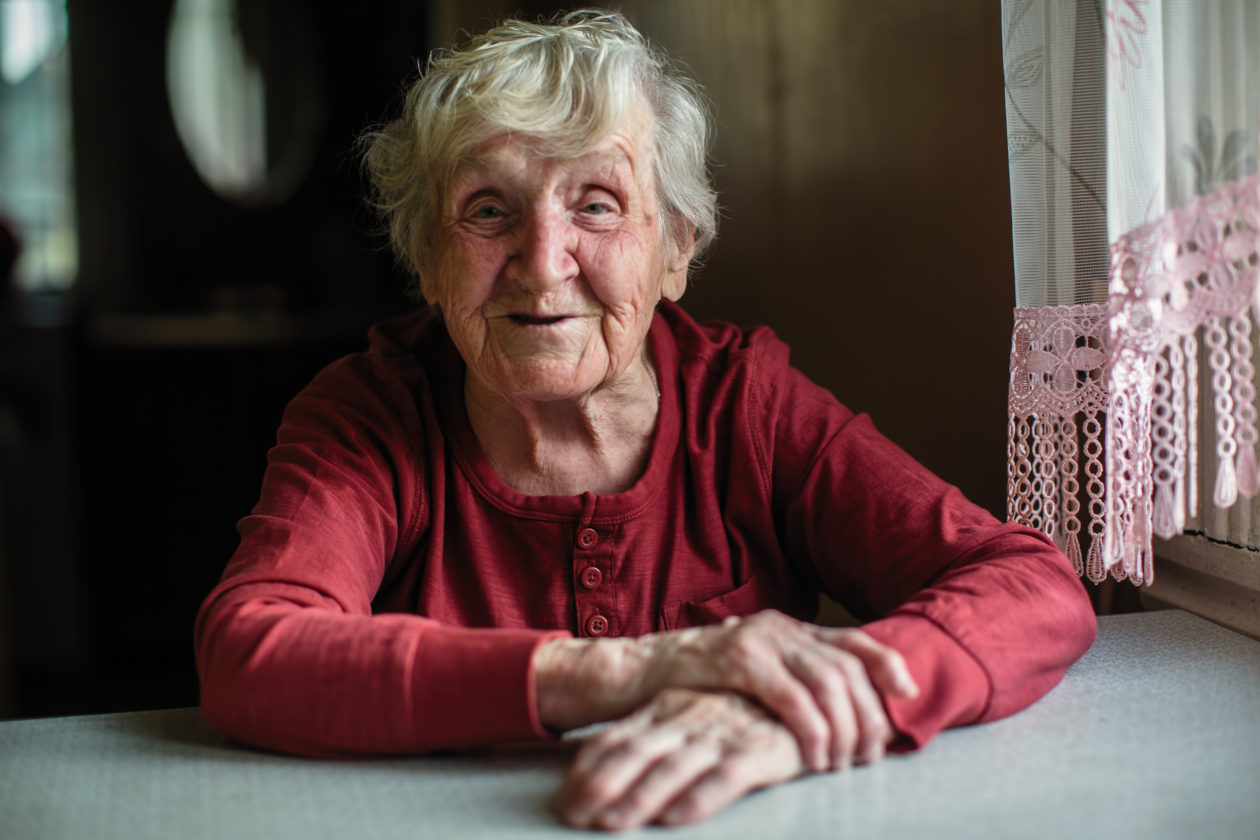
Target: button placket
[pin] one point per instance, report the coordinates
(594, 599)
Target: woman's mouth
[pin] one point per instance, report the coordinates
(537, 320)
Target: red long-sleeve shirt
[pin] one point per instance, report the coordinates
(389, 590)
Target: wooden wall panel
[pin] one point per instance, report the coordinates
(861, 158)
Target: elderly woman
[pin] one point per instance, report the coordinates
(550, 498)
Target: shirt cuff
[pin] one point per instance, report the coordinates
(478, 685)
(954, 689)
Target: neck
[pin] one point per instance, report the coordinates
(599, 442)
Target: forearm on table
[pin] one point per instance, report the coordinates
(315, 681)
(989, 638)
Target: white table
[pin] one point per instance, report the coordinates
(1154, 733)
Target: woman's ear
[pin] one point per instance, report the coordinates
(426, 280)
(676, 269)
(423, 259)
(427, 287)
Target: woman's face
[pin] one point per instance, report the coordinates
(548, 269)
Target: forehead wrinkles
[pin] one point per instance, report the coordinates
(521, 163)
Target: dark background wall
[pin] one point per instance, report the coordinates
(861, 162)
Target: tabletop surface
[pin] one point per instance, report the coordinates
(1154, 733)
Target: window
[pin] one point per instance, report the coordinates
(36, 160)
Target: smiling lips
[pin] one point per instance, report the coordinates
(536, 320)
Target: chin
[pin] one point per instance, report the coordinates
(546, 383)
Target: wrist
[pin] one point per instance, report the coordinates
(583, 681)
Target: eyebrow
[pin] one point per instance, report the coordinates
(474, 163)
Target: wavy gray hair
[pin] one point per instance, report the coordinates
(566, 84)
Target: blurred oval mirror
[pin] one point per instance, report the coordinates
(240, 75)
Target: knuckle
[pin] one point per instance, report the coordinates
(631, 750)
(838, 637)
(765, 620)
(832, 684)
(797, 704)
(846, 737)
(875, 724)
(876, 731)
(729, 773)
(892, 657)
(591, 788)
(743, 644)
(601, 790)
(853, 669)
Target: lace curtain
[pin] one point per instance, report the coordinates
(1132, 138)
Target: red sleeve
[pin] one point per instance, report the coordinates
(289, 653)
(989, 615)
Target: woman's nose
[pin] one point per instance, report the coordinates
(544, 251)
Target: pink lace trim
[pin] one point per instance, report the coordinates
(1104, 397)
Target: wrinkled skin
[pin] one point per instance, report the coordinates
(681, 758)
(709, 714)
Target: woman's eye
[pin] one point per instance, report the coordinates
(487, 211)
(596, 208)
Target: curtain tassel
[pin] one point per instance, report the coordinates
(1226, 492)
(1095, 568)
(1073, 552)
(1165, 514)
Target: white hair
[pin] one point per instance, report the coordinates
(566, 85)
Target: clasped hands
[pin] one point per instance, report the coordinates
(706, 715)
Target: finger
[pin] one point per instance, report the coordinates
(606, 767)
(748, 770)
(660, 785)
(873, 729)
(820, 670)
(886, 666)
(594, 748)
(794, 703)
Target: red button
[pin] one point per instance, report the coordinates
(587, 538)
(591, 577)
(597, 625)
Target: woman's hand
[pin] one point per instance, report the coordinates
(679, 759)
(824, 684)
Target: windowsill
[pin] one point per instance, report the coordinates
(1214, 579)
